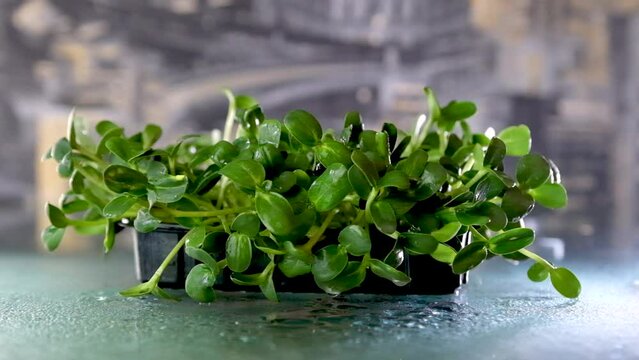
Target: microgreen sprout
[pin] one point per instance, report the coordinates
(288, 196)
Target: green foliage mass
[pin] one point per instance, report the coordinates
(289, 196)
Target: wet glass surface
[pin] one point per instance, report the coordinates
(62, 307)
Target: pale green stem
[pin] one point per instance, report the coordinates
(155, 279)
(181, 213)
(476, 234)
(230, 116)
(97, 222)
(317, 235)
(537, 258)
(369, 202)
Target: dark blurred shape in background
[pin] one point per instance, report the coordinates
(567, 68)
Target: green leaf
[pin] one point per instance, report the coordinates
(247, 223)
(238, 252)
(275, 212)
(139, 290)
(552, 196)
(463, 154)
(394, 178)
(355, 240)
(52, 236)
(431, 180)
(118, 206)
(284, 182)
(328, 190)
(302, 224)
(292, 266)
(109, 236)
(388, 272)
(331, 152)
(532, 171)
(382, 148)
(488, 188)
(565, 282)
(359, 182)
(102, 149)
(418, 244)
(517, 140)
(61, 149)
(124, 149)
(269, 132)
(351, 277)
(366, 166)
(199, 284)
(471, 215)
(395, 257)
(161, 293)
(458, 110)
(516, 204)
(105, 126)
(202, 155)
(495, 153)
(383, 216)
(247, 279)
(304, 127)
(538, 272)
(71, 129)
(483, 213)
(269, 156)
(224, 152)
(78, 133)
(145, 222)
(400, 204)
(121, 179)
(245, 173)
(150, 135)
(433, 106)
(203, 257)
(446, 232)
(72, 205)
(56, 216)
(511, 241)
(206, 180)
(268, 246)
(390, 130)
(444, 253)
(195, 237)
(469, 257)
(352, 127)
(330, 261)
(65, 167)
(268, 288)
(169, 189)
(414, 165)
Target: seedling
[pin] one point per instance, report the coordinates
(291, 197)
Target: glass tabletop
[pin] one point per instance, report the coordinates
(67, 307)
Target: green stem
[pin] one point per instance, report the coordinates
(476, 234)
(317, 235)
(465, 187)
(198, 200)
(418, 137)
(480, 174)
(537, 258)
(181, 213)
(230, 116)
(84, 153)
(220, 198)
(371, 197)
(86, 222)
(155, 279)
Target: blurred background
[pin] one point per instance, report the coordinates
(566, 68)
